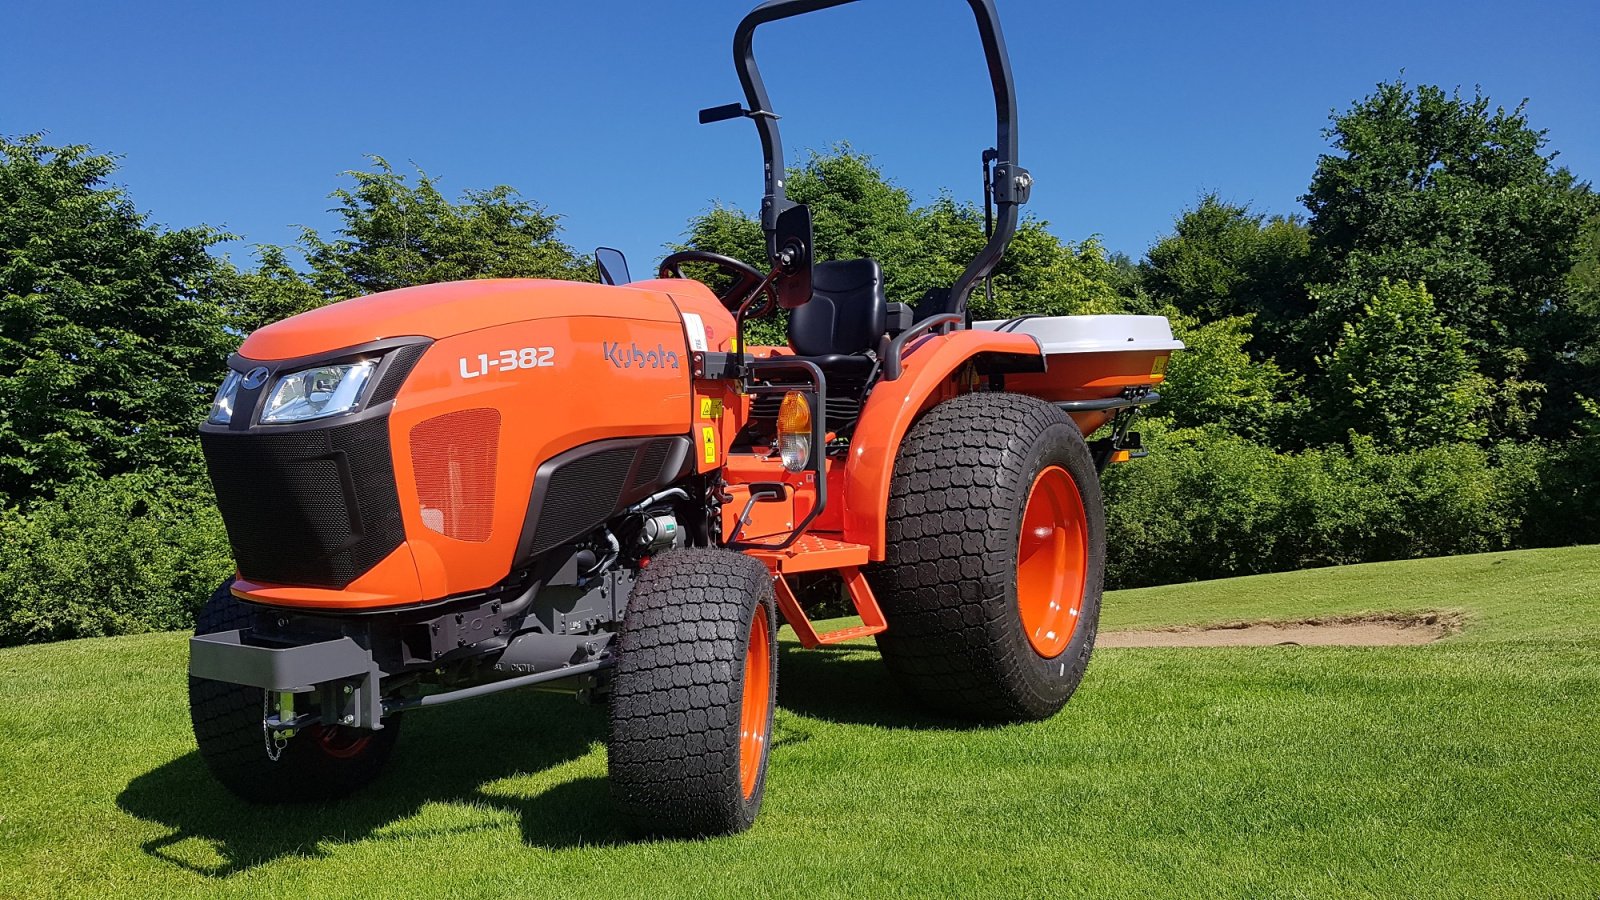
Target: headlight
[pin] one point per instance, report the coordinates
(319, 392)
(222, 405)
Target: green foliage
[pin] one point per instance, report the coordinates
(275, 290)
(131, 553)
(1213, 381)
(1207, 504)
(111, 332)
(1401, 376)
(856, 211)
(1222, 260)
(393, 234)
(396, 234)
(1433, 188)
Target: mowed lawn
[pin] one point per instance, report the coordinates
(1469, 767)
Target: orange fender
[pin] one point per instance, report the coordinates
(930, 373)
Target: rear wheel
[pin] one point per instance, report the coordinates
(693, 692)
(317, 763)
(992, 573)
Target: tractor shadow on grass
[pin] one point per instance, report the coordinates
(849, 685)
(450, 755)
(456, 755)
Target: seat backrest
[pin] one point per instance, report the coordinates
(847, 312)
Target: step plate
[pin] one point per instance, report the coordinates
(813, 554)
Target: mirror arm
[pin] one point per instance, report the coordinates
(739, 317)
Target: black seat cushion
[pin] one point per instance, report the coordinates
(847, 313)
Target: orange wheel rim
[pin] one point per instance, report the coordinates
(1052, 561)
(756, 707)
(340, 743)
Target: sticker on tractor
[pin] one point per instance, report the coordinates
(1159, 367)
(508, 360)
(710, 408)
(708, 443)
(696, 327)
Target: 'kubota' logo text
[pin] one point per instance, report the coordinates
(635, 357)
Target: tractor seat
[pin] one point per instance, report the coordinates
(846, 317)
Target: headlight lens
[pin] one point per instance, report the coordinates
(319, 392)
(222, 405)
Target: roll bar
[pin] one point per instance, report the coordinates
(1011, 183)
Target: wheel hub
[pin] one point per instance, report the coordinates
(1052, 561)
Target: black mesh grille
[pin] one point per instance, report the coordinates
(582, 494)
(315, 508)
(404, 360)
(655, 456)
(842, 409)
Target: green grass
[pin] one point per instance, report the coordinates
(1466, 767)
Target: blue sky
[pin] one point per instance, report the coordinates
(242, 115)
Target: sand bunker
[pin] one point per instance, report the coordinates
(1373, 630)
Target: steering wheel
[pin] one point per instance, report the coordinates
(746, 278)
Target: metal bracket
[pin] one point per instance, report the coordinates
(225, 656)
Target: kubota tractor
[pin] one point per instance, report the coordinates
(452, 490)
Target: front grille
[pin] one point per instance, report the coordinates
(316, 508)
(453, 458)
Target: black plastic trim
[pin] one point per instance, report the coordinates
(630, 485)
(384, 385)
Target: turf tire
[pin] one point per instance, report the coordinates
(948, 583)
(315, 765)
(677, 694)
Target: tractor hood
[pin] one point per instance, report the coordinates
(441, 310)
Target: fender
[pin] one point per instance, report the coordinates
(927, 378)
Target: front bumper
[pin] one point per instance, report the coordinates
(341, 672)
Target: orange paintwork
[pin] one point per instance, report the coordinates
(926, 379)
(620, 365)
(452, 308)
(872, 620)
(813, 553)
(585, 394)
(1088, 376)
(1052, 561)
(392, 581)
(755, 705)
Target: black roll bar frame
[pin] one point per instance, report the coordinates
(1011, 183)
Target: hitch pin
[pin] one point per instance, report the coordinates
(286, 713)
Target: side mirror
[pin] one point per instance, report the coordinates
(613, 266)
(793, 256)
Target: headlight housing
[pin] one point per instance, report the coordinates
(222, 405)
(317, 392)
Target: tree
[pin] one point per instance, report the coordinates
(857, 212)
(1400, 375)
(1213, 381)
(394, 234)
(1223, 260)
(274, 290)
(112, 332)
(1434, 188)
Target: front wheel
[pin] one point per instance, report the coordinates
(318, 763)
(992, 573)
(693, 692)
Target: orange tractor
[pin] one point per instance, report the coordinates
(453, 490)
